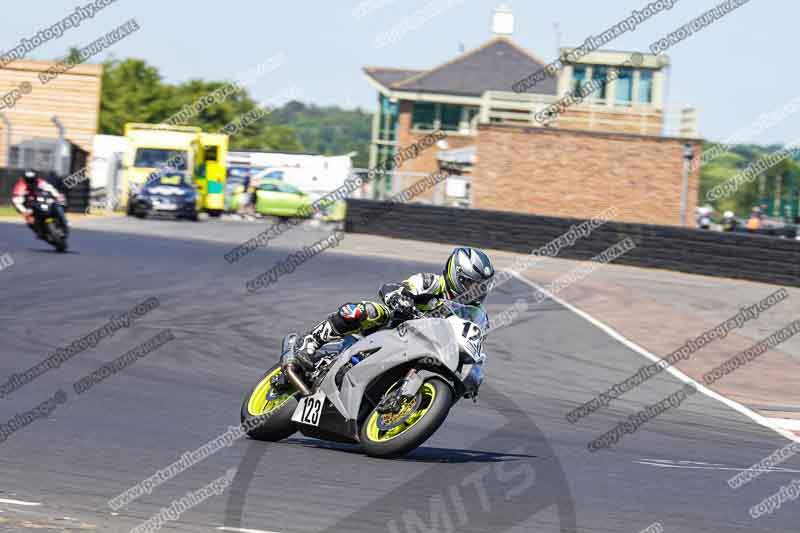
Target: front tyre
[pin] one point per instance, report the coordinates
(395, 434)
(267, 413)
(58, 237)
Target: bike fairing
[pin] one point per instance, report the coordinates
(407, 378)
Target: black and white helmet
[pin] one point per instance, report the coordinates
(468, 274)
(30, 177)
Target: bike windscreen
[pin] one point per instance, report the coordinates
(471, 313)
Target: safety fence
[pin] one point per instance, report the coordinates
(77, 196)
(8, 178)
(762, 258)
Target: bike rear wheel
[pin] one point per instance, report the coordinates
(266, 413)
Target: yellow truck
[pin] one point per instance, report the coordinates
(212, 171)
(154, 147)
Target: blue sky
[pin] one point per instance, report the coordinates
(742, 66)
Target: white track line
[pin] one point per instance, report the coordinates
(19, 502)
(611, 332)
(786, 423)
(672, 464)
(240, 530)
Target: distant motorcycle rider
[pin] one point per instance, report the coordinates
(466, 278)
(729, 222)
(24, 194)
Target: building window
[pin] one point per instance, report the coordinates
(423, 117)
(600, 78)
(450, 116)
(646, 86)
(469, 116)
(387, 121)
(578, 79)
(625, 86)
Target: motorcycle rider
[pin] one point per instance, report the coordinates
(729, 222)
(466, 278)
(24, 194)
(704, 217)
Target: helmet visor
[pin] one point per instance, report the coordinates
(474, 290)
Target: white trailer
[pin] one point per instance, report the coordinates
(105, 169)
(316, 175)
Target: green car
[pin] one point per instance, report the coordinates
(278, 198)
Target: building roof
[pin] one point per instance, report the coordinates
(388, 76)
(495, 66)
(31, 65)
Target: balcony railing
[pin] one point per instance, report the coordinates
(521, 109)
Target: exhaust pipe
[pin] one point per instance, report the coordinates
(296, 380)
(288, 365)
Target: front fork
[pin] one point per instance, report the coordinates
(409, 387)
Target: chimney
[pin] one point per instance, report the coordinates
(503, 21)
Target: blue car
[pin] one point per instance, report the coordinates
(172, 194)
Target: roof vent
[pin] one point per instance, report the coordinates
(503, 21)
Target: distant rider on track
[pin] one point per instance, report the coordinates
(24, 195)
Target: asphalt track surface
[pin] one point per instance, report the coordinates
(511, 462)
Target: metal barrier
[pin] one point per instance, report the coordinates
(77, 196)
(766, 259)
(8, 178)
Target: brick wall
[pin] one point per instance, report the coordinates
(426, 161)
(569, 173)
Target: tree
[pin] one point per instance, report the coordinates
(74, 55)
(134, 91)
(748, 194)
(329, 130)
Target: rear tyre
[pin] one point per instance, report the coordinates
(266, 414)
(215, 213)
(388, 436)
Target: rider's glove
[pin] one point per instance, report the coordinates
(399, 300)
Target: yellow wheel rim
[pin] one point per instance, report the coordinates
(376, 434)
(264, 400)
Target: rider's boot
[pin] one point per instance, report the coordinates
(322, 333)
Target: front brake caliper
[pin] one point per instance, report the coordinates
(396, 400)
